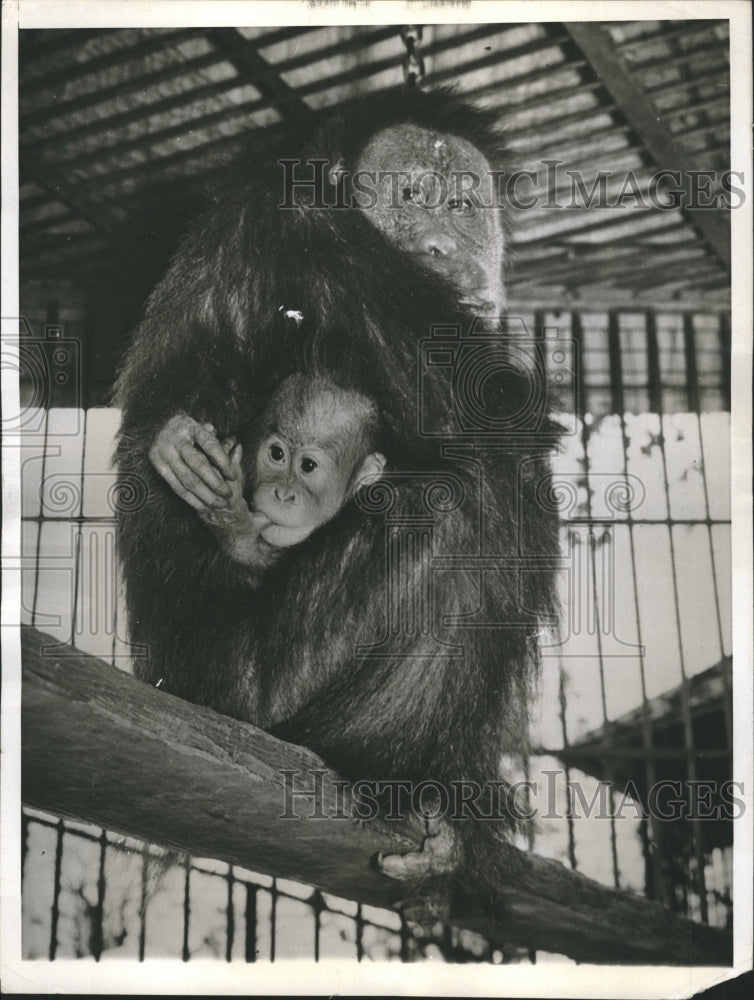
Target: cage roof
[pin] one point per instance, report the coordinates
(112, 119)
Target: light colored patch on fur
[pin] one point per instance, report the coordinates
(294, 314)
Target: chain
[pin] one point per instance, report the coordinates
(413, 64)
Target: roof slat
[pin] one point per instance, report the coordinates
(597, 45)
(143, 112)
(105, 155)
(109, 60)
(254, 68)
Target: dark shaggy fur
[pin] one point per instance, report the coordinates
(214, 343)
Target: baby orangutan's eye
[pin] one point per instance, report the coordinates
(308, 465)
(276, 453)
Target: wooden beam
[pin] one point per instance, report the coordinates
(76, 201)
(159, 39)
(623, 268)
(254, 68)
(597, 45)
(32, 169)
(123, 88)
(360, 70)
(143, 112)
(524, 299)
(102, 747)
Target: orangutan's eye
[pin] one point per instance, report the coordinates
(461, 206)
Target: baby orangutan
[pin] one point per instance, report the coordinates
(315, 444)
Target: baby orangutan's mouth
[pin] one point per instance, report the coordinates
(279, 516)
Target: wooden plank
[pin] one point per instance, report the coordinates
(105, 220)
(30, 119)
(630, 97)
(523, 298)
(75, 69)
(102, 747)
(59, 143)
(254, 68)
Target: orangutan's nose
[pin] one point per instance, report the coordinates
(438, 245)
(284, 494)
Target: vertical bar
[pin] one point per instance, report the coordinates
(56, 891)
(114, 624)
(404, 940)
(655, 828)
(76, 575)
(38, 551)
(273, 917)
(578, 336)
(359, 933)
(447, 942)
(317, 904)
(88, 335)
(143, 902)
(99, 909)
(692, 371)
(607, 725)
(185, 953)
(530, 832)
(685, 882)
(250, 944)
(24, 840)
(79, 537)
(616, 365)
(230, 916)
(688, 732)
(654, 384)
(651, 887)
(689, 332)
(564, 726)
(723, 334)
(539, 326)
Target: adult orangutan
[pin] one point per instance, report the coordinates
(397, 640)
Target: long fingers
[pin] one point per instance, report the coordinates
(208, 442)
(236, 454)
(194, 463)
(194, 484)
(198, 463)
(177, 486)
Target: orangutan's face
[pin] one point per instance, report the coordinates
(435, 198)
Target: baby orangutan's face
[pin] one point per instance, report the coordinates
(311, 462)
(299, 485)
